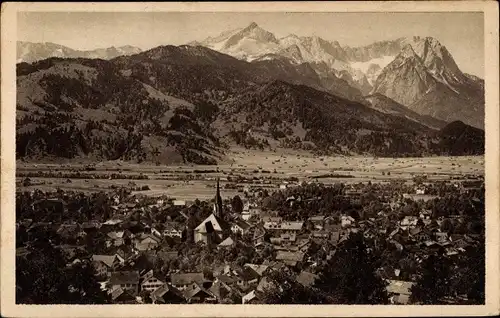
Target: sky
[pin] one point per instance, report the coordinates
(461, 32)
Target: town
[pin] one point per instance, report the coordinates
(419, 242)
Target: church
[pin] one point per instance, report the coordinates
(211, 230)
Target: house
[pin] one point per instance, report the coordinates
(258, 235)
(318, 221)
(70, 252)
(146, 242)
(369, 233)
(450, 251)
(246, 276)
(117, 238)
(320, 234)
(122, 296)
(408, 222)
(151, 281)
(26, 222)
(67, 231)
(167, 255)
(265, 283)
(441, 237)
(220, 290)
(399, 291)
(303, 245)
(173, 229)
(306, 279)
(179, 202)
(290, 258)
(111, 224)
(155, 230)
(126, 280)
(197, 294)
(283, 226)
(398, 245)
(458, 240)
(90, 226)
(335, 237)
(124, 252)
(259, 269)
(276, 241)
(253, 297)
(53, 206)
(288, 237)
(240, 226)
(211, 230)
(182, 280)
(226, 279)
(272, 218)
(346, 221)
(226, 243)
(420, 235)
(425, 214)
(167, 294)
(250, 210)
(105, 264)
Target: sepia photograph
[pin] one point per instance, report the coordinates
(274, 157)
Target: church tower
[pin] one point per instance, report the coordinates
(218, 203)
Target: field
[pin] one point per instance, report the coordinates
(250, 168)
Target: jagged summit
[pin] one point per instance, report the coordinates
(252, 25)
(407, 52)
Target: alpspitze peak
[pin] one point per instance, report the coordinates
(252, 25)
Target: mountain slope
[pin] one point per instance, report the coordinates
(90, 109)
(457, 138)
(417, 72)
(31, 52)
(182, 104)
(425, 78)
(386, 105)
(300, 117)
(206, 71)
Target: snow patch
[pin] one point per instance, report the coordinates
(364, 66)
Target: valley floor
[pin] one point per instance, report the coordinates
(246, 169)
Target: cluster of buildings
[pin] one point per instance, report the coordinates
(126, 274)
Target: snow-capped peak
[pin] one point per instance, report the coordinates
(252, 25)
(364, 64)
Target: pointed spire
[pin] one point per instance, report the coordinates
(218, 202)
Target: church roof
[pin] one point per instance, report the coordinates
(216, 223)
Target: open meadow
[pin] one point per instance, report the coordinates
(245, 169)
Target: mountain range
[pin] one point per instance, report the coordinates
(31, 52)
(175, 104)
(417, 72)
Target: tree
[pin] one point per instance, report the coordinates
(284, 289)
(350, 276)
(43, 278)
(469, 276)
(434, 281)
(158, 264)
(446, 226)
(237, 204)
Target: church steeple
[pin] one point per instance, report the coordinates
(218, 202)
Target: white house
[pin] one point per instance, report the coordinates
(212, 225)
(179, 202)
(240, 227)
